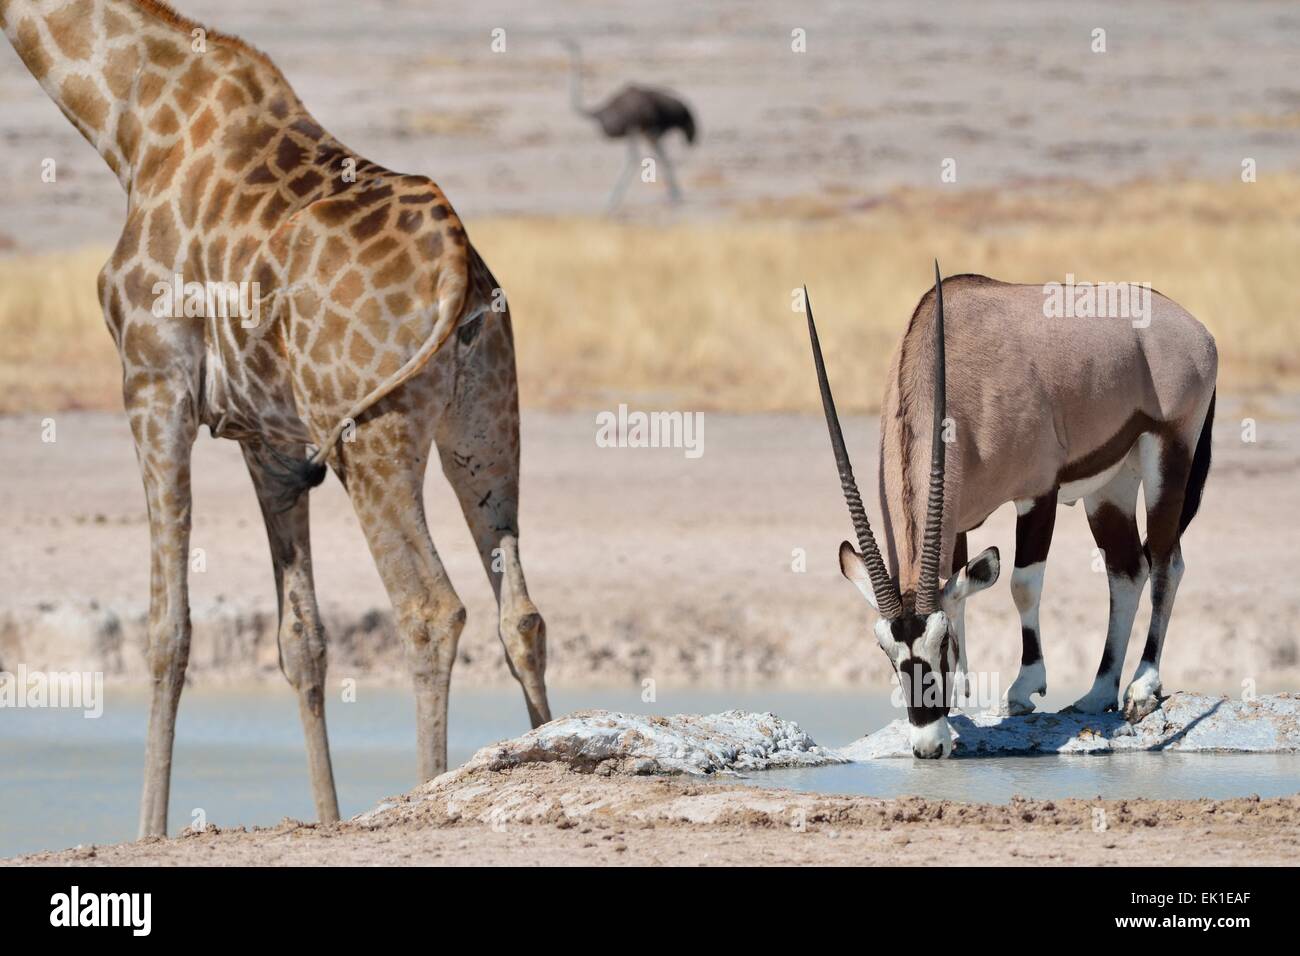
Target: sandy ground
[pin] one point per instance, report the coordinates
(884, 92)
(544, 814)
(647, 564)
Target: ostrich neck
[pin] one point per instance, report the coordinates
(575, 85)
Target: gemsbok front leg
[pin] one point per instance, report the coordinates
(301, 636)
(1034, 525)
(1112, 516)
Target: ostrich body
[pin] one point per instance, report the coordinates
(633, 113)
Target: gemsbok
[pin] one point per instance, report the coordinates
(1043, 410)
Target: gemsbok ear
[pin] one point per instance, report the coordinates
(855, 569)
(978, 574)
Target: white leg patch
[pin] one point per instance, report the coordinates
(1031, 680)
(1026, 591)
(1125, 594)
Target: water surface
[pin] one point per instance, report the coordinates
(239, 754)
(239, 757)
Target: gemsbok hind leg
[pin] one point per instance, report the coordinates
(1166, 465)
(1034, 525)
(1112, 516)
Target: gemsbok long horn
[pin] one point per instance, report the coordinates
(927, 587)
(888, 600)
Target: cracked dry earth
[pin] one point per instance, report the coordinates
(545, 814)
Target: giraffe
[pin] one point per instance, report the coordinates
(374, 333)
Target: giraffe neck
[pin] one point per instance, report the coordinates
(132, 75)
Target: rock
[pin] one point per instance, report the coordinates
(608, 742)
(1184, 722)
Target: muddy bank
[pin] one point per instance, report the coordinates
(716, 571)
(549, 815)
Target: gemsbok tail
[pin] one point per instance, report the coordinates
(1200, 469)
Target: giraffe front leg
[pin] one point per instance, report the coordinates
(301, 636)
(164, 427)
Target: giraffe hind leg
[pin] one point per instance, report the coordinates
(301, 636)
(478, 444)
(385, 465)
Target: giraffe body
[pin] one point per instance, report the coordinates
(373, 332)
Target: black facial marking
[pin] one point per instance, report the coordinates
(925, 692)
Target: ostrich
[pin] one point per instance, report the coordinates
(631, 113)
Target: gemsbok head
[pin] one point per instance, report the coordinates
(915, 631)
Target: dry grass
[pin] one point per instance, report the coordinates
(698, 315)
(55, 351)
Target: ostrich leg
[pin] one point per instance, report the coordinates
(629, 170)
(674, 193)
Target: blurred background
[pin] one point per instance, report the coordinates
(821, 166)
(824, 133)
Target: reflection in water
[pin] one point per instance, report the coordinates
(1049, 777)
(239, 757)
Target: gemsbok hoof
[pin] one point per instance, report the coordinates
(1136, 709)
(1013, 708)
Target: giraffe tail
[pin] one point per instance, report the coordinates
(297, 475)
